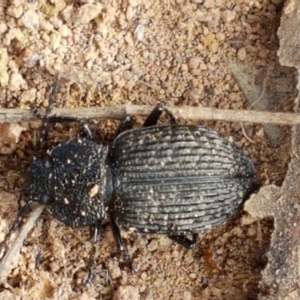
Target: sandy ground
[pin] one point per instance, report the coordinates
(207, 53)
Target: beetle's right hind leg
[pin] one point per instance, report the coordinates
(155, 115)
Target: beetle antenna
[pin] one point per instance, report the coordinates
(52, 98)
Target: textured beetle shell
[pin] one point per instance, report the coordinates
(75, 181)
(177, 179)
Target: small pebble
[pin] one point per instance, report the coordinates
(228, 16)
(28, 96)
(194, 62)
(126, 293)
(16, 82)
(241, 54)
(15, 11)
(86, 13)
(30, 20)
(187, 295)
(127, 75)
(115, 272)
(152, 245)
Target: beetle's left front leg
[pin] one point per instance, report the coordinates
(95, 231)
(121, 246)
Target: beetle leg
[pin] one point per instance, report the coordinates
(85, 131)
(95, 235)
(45, 117)
(184, 241)
(156, 113)
(52, 99)
(121, 246)
(126, 124)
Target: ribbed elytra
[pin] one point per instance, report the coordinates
(177, 179)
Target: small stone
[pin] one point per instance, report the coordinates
(241, 54)
(64, 30)
(175, 254)
(129, 13)
(209, 3)
(144, 276)
(15, 11)
(55, 39)
(195, 72)
(262, 204)
(3, 28)
(213, 59)
(134, 2)
(126, 292)
(184, 67)
(28, 96)
(30, 20)
(189, 260)
(10, 132)
(46, 25)
(228, 16)
(67, 13)
(220, 36)
(85, 13)
(194, 62)
(209, 38)
(4, 77)
(127, 75)
(139, 32)
(54, 266)
(115, 272)
(152, 245)
(187, 295)
(213, 47)
(16, 82)
(196, 94)
(203, 66)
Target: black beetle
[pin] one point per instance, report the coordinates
(169, 179)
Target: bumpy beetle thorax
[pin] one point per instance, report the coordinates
(74, 180)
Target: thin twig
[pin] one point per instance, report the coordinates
(245, 135)
(185, 112)
(263, 91)
(17, 244)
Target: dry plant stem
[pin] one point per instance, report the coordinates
(245, 134)
(263, 91)
(15, 248)
(184, 112)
